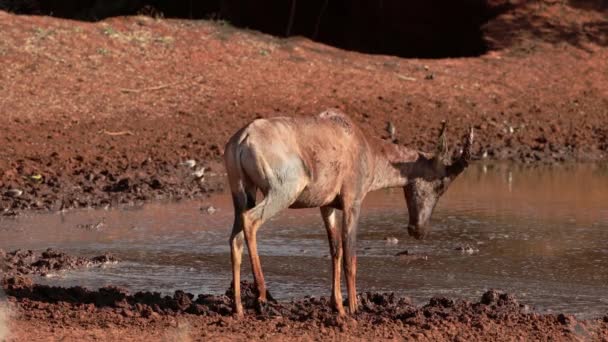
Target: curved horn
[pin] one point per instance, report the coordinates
(465, 156)
(442, 143)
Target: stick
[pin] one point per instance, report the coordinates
(406, 78)
(127, 90)
(159, 87)
(116, 133)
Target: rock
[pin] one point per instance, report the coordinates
(209, 209)
(21, 262)
(14, 193)
(120, 186)
(442, 302)
(104, 259)
(189, 163)
(92, 226)
(391, 240)
(405, 252)
(498, 298)
(565, 319)
(407, 256)
(199, 173)
(17, 282)
(490, 297)
(467, 249)
(390, 129)
(182, 300)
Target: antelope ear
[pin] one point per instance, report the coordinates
(442, 153)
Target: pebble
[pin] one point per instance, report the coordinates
(391, 240)
(209, 209)
(405, 252)
(467, 249)
(14, 192)
(189, 163)
(199, 173)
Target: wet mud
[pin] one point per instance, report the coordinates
(495, 313)
(27, 262)
(97, 183)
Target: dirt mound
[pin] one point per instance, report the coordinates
(26, 262)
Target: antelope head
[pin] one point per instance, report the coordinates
(431, 180)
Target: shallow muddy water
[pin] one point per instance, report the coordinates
(540, 233)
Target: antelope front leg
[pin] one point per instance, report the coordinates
(349, 241)
(335, 247)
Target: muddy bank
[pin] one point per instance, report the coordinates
(495, 315)
(27, 262)
(82, 182)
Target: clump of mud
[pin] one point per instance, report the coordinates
(376, 308)
(93, 182)
(496, 313)
(27, 262)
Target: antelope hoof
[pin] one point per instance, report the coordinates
(269, 297)
(338, 308)
(238, 311)
(261, 307)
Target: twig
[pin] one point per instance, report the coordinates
(406, 78)
(116, 133)
(159, 87)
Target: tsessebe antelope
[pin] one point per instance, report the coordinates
(326, 161)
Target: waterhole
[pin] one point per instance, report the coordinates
(540, 233)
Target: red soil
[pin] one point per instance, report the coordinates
(95, 114)
(86, 105)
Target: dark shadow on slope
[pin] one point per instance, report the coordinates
(425, 29)
(421, 29)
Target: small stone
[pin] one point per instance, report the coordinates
(467, 249)
(199, 173)
(390, 129)
(127, 313)
(391, 240)
(490, 297)
(565, 320)
(189, 163)
(209, 209)
(14, 193)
